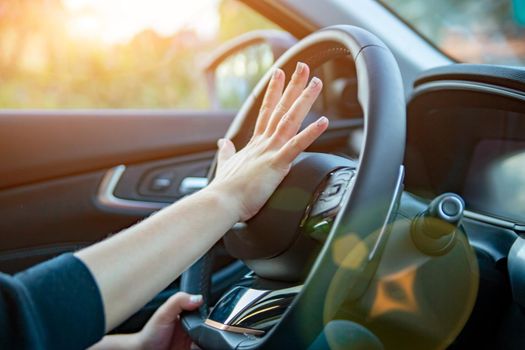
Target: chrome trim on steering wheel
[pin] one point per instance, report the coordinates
(391, 213)
(251, 311)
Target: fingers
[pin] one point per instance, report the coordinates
(271, 98)
(178, 302)
(291, 93)
(281, 116)
(301, 141)
(226, 150)
(292, 120)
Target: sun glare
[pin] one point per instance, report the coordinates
(117, 21)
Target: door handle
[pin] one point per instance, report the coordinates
(192, 184)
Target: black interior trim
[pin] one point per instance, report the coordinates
(51, 214)
(503, 76)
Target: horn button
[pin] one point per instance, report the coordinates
(283, 239)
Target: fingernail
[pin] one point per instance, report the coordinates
(220, 142)
(315, 81)
(195, 299)
(300, 67)
(277, 73)
(322, 121)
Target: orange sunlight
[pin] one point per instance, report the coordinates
(117, 21)
(400, 298)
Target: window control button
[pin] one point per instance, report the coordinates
(160, 184)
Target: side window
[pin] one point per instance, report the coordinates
(61, 54)
(238, 74)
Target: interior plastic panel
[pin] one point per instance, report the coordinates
(46, 219)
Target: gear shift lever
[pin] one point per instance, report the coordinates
(433, 231)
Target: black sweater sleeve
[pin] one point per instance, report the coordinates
(54, 305)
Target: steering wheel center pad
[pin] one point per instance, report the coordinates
(266, 243)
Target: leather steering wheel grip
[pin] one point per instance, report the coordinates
(368, 209)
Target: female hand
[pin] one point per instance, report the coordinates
(163, 330)
(251, 175)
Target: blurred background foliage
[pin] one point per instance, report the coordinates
(42, 66)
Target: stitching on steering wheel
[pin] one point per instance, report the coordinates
(329, 53)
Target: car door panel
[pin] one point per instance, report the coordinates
(36, 146)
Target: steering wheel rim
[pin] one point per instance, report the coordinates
(367, 211)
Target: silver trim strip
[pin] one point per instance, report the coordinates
(390, 215)
(469, 86)
(489, 219)
(107, 198)
(233, 329)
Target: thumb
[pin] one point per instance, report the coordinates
(226, 150)
(170, 310)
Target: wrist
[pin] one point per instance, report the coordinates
(136, 341)
(223, 198)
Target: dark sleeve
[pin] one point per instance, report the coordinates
(54, 305)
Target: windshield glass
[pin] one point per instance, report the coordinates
(473, 31)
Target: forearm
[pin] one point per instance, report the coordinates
(118, 342)
(133, 266)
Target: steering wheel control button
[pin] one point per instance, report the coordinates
(327, 204)
(333, 190)
(333, 193)
(344, 175)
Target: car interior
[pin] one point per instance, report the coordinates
(404, 219)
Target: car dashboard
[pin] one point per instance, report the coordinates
(465, 134)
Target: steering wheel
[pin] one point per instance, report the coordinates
(324, 229)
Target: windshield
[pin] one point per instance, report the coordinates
(473, 31)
